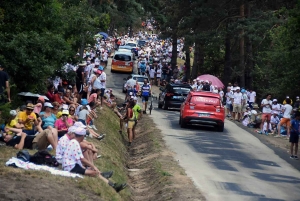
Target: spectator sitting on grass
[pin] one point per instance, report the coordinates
(12, 121)
(28, 119)
(73, 160)
(63, 123)
(20, 141)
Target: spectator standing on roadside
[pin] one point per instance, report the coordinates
(297, 103)
(80, 80)
(284, 101)
(237, 104)
(294, 137)
(252, 98)
(102, 78)
(229, 96)
(4, 86)
(287, 111)
(266, 105)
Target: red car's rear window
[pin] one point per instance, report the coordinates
(205, 100)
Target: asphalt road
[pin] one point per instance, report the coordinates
(233, 165)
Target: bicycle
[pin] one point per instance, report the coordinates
(151, 100)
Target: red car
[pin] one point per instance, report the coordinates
(201, 107)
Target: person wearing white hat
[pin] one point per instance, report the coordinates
(73, 160)
(275, 106)
(274, 121)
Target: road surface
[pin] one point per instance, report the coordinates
(228, 166)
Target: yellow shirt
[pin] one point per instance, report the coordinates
(11, 124)
(23, 117)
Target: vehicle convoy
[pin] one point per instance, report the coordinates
(173, 95)
(125, 48)
(203, 108)
(122, 62)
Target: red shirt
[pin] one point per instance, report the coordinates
(50, 95)
(58, 99)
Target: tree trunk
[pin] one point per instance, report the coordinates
(82, 46)
(187, 63)
(174, 50)
(227, 66)
(242, 50)
(130, 31)
(195, 64)
(249, 58)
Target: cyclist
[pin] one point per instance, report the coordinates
(146, 92)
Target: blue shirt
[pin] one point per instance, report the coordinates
(48, 121)
(295, 126)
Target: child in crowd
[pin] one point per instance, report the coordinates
(294, 136)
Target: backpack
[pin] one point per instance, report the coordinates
(44, 158)
(23, 155)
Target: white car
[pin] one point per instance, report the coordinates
(139, 78)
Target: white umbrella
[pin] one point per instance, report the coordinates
(29, 94)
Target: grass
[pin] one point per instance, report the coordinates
(113, 158)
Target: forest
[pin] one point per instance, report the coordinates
(254, 43)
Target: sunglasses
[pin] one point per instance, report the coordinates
(72, 110)
(64, 115)
(29, 109)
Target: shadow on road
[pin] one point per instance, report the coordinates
(225, 153)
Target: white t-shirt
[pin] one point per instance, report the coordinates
(252, 96)
(158, 73)
(105, 56)
(103, 77)
(130, 83)
(229, 96)
(221, 94)
(276, 108)
(287, 111)
(274, 120)
(72, 155)
(266, 108)
(61, 147)
(152, 73)
(237, 98)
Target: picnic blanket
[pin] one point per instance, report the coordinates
(31, 166)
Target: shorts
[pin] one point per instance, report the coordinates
(145, 98)
(244, 108)
(294, 138)
(266, 116)
(61, 133)
(102, 92)
(286, 121)
(78, 169)
(82, 121)
(228, 105)
(237, 108)
(40, 142)
(130, 124)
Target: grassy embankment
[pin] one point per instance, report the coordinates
(113, 158)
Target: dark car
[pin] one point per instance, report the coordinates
(173, 95)
(141, 43)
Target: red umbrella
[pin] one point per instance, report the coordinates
(215, 81)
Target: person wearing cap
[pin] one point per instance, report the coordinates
(274, 121)
(74, 162)
(63, 123)
(275, 106)
(266, 105)
(287, 110)
(4, 85)
(23, 141)
(28, 119)
(237, 104)
(63, 142)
